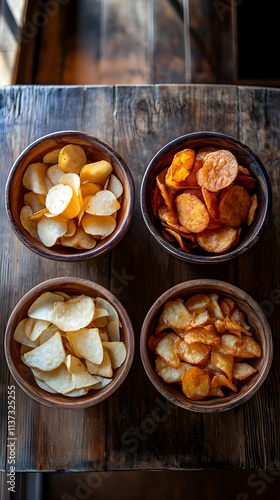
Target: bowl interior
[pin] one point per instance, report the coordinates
(245, 157)
(261, 333)
(95, 150)
(23, 374)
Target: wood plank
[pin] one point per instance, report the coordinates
(146, 118)
(49, 439)
(259, 270)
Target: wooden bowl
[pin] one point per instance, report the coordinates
(96, 150)
(245, 156)
(261, 333)
(23, 375)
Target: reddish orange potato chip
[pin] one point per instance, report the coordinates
(214, 224)
(195, 191)
(243, 370)
(167, 193)
(180, 168)
(220, 381)
(220, 326)
(202, 152)
(168, 236)
(229, 344)
(220, 169)
(196, 384)
(243, 170)
(234, 207)
(216, 392)
(155, 339)
(194, 353)
(252, 209)
(192, 213)
(205, 335)
(165, 349)
(157, 200)
(223, 362)
(245, 181)
(217, 240)
(171, 219)
(178, 237)
(211, 203)
(234, 327)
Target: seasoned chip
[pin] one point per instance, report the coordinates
(176, 315)
(34, 178)
(52, 156)
(217, 240)
(211, 368)
(170, 374)
(216, 392)
(221, 381)
(200, 319)
(211, 203)
(102, 203)
(243, 170)
(50, 229)
(87, 343)
(117, 353)
(79, 240)
(171, 218)
(197, 301)
(205, 335)
(195, 353)
(196, 384)
(104, 369)
(252, 209)
(97, 172)
(166, 350)
(214, 224)
(99, 225)
(223, 362)
(215, 310)
(156, 200)
(220, 168)
(30, 226)
(234, 207)
(181, 167)
(243, 370)
(167, 193)
(72, 158)
(245, 181)
(178, 237)
(234, 327)
(73, 314)
(220, 326)
(229, 344)
(43, 306)
(192, 212)
(47, 356)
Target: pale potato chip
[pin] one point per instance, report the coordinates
(117, 353)
(102, 203)
(79, 240)
(65, 295)
(72, 158)
(71, 229)
(102, 382)
(166, 350)
(115, 186)
(33, 201)
(80, 376)
(38, 215)
(203, 318)
(87, 343)
(34, 178)
(113, 329)
(73, 314)
(52, 156)
(104, 369)
(47, 356)
(170, 374)
(77, 393)
(103, 335)
(54, 173)
(99, 312)
(58, 198)
(176, 315)
(50, 230)
(102, 303)
(23, 350)
(48, 333)
(101, 323)
(223, 362)
(42, 307)
(59, 379)
(29, 225)
(20, 335)
(72, 180)
(242, 371)
(44, 386)
(96, 172)
(99, 225)
(34, 327)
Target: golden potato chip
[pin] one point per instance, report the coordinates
(180, 168)
(54, 173)
(71, 229)
(245, 181)
(252, 209)
(52, 156)
(47, 356)
(222, 381)
(224, 362)
(44, 386)
(170, 374)
(204, 335)
(72, 158)
(233, 327)
(33, 201)
(166, 350)
(176, 315)
(217, 240)
(117, 353)
(249, 348)
(20, 335)
(99, 225)
(243, 170)
(214, 310)
(49, 230)
(102, 203)
(79, 240)
(200, 319)
(104, 369)
(58, 198)
(60, 380)
(97, 172)
(196, 384)
(229, 344)
(216, 392)
(87, 343)
(34, 178)
(89, 188)
(38, 215)
(194, 353)
(80, 376)
(171, 219)
(197, 301)
(220, 169)
(243, 370)
(167, 193)
(211, 368)
(211, 203)
(192, 213)
(234, 207)
(154, 340)
(220, 326)
(73, 314)
(43, 306)
(34, 327)
(27, 223)
(115, 186)
(72, 180)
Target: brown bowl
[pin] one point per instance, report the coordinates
(23, 375)
(96, 150)
(245, 156)
(261, 333)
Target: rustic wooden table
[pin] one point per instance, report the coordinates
(136, 428)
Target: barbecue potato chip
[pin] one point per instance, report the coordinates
(176, 315)
(242, 371)
(211, 202)
(235, 205)
(52, 156)
(47, 356)
(233, 327)
(34, 178)
(194, 353)
(181, 167)
(99, 225)
(97, 172)
(245, 181)
(192, 213)
(102, 203)
(205, 335)
(117, 353)
(87, 343)
(170, 374)
(224, 362)
(171, 218)
(217, 240)
(243, 170)
(73, 314)
(72, 158)
(220, 168)
(167, 193)
(197, 301)
(166, 350)
(49, 230)
(43, 306)
(220, 381)
(104, 369)
(252, 209)
(178, 237)
(196, 384)
(212, 369)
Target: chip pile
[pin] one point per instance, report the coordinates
(71, 344)
(204, 199)
(70, 202)
(201, 344)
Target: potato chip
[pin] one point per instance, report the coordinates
(194, 353)
(71, 228)
(60, 380)
(167, 193)
(58, 198)
(196, 384)
(113, 329)
(99, 225)
(211, 203)
(243, 170)
(215, 311)
(34, 178)
(222, 381)
(48, 333)
(97, 172)
(197, 301)
(234, 207)
(89, 188)
(72, 158)
(44, 386)
(77, 393)
(220, 169)
(245, 181)
(29, 225)
(101, 323)
(34, 327)
(200, 319)
(252, 209)
(220, 326)
(117, 353)
(33, 201)
(38, 215)
(43, 306)
(50, 230)
(229, 344)
(217, 240)
(73, 314)
(243, 370)
(156, 200)
(80, 376)
(102, 203)
(115, 186)
(178, 237)
(249, 348)
(79, 240)
(104, 304)
(176, 315)
(20, 335)
(170, 374)
(212, 369)
(233, 327)
(166, 350)
(47, 356)
(181, 167)
(223, 362)
(72, 180)
(154, 340)
(205, 335)
(102, 382)
(192, 213)
(54, 173)
(104, 369)
(87, 343)
(52, 156)
(216, 392)
(171, 219)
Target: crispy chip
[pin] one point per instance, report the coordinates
(102, 203)
(60, 380)
(52, 156)
(104, 369)
(80, 376)
(170, 374)
(115, 186)
(73, 314)
(167, 193)
(166, 350)
(27, 223)
(97, 172)
(252, 209)
(34, 178)
(211, 203)
(54, 173)
(72, 158)
(50, 230)
(220, 168)
(195, 353)
(113, 329)
(223, 362)
(47, 356)
(99, 225)
(221, 381)
(220, 326)
(171, 219)
(34, 327)
(48, 333)
(197, 301)
(217, 240)
(196, 384)
(178, 237)
(38, 215)
(156, 200)
(176, 315)
(117, 353)
(212, 369)
(204, 335)
(20, 335)
(234, 327)
(89, 188)
(33, 201)
(243, 370)
(43, 306)
(79, 240)
(87, 343)
(234, 207)
(245, 181)
(44, 386)
(192, 213)
(243, 170)
(181, 167)
(102, 382)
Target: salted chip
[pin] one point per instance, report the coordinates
(60, 380)
(52, 156)
(80, 376)
(252, 209)
(243, 370)
(87, 343)
(43, 306)
(167, 193)
(180, 168)
(33, 201)
(71, 228)
(115, 186)
(50, 229)
(104, 304)
(196, 384)
(79, 240)
(47, 356)
(34, 178)
(194, 353)
(73, 314)
(44, 386)
(59, 198)
(171, 218)
(168, 373)
(72, 158)
(113, 329)
(77, 393)
(104, 369)
(204, 335)
(249, 348)
(117, 353)
(101, 323)
(54, 173)
(224, 362)
(216, 392)
(47, 334)
(192, 213)
(97, 172)
(89, 188)
(217, 240)
(102, 203)
(229, 344)
(28, 224)
(220, 168)
(235, 205)
(176, 315)
(34, 327)
(211, 202)
(222, 381)
(38, 215)
(99, 225)
(72, 180)
(166, 350)
(102, 382)
(21, 337)
(197, 301)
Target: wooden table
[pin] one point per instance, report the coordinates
(136, 428)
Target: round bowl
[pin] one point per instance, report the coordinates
(96, 150)
(23, 375)
(261, 333)
(245, 156)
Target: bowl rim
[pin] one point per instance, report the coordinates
(154, 310)
(72, 403)
(203, 259)
(83, 254)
